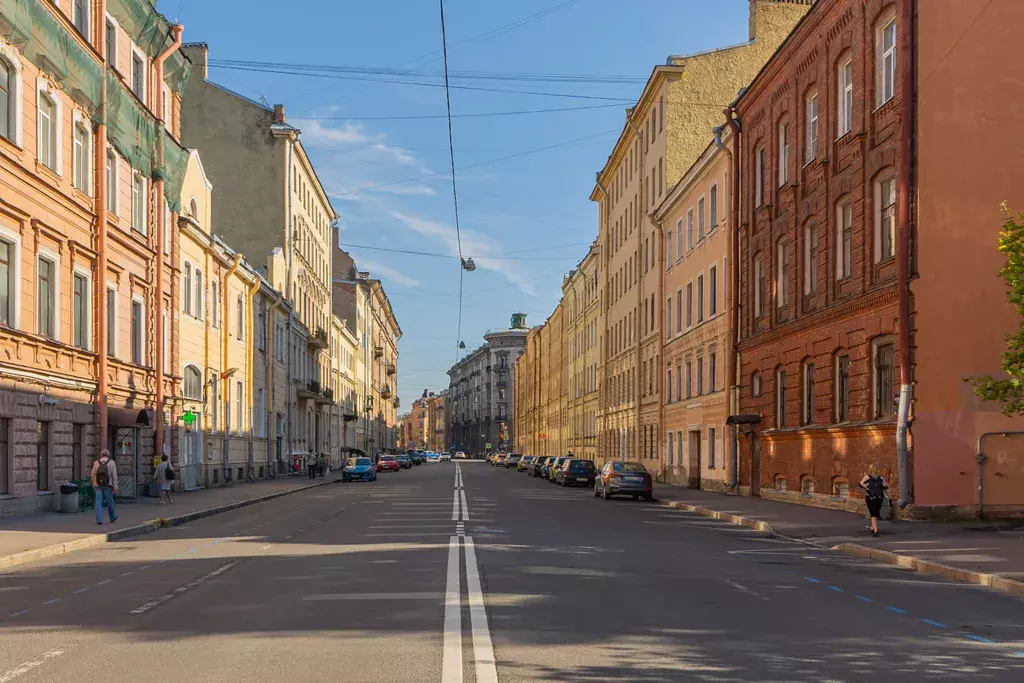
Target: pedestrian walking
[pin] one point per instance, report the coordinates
(104, 482)
(875, 493)
(322, 465)
(311, 465)
(165, 476)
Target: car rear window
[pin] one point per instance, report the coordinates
(628, 467)
(389, 458)
(581, 465)
(361, 462)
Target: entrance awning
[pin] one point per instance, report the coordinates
(130, 417)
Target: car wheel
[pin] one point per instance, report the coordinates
(636, 496)
(648, 497)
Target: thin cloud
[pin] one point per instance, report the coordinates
(348, 134)
(400, 155)
(387, 272)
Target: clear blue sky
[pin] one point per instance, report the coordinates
(534, 201)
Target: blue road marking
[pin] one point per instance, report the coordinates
(979, 639)
(897, 610)
(837, 589)
(932, 622)
(864, 598)
(812, 579)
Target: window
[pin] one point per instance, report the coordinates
(138, 202)
(780, 398)
(80, 311)
(139, 75)
(200, 292)
(844, 240)
(842, 387)
(759, 283)
(679, 381)
(187, 287)
(48, 139)
(810, 258)
(679, 310)
(755, 384)
(712, 371)
(668, 319)
(138, 332)
(671, 449)
(713, 290)
(8, 100)
(759, 173)
(700, 298)
(845, 110)
(111, 181)
(166, 350)
(46, 293)
(679, 239)
(887, 219)
(711, 447)
(689, 379)
(887, 64)
(811, 136)
(689, 305)
(42, 456)
(689, 230)
(883, 380)
(700, 219)
(80, 18)
(239, 405)
(700, 375)
(111, 322)
(240, 329)
(668, 386)
(8, 281)
(714, 208)
(808, 416)
(669, 248)
(782, 278)
(111, 44)
(783, 153)
(215, 304)
(192, 383)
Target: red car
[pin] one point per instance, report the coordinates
(388, 463)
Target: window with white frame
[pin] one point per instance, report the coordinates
(112, 192)
(192, 383)
(139, 202)
(844, 113)
(755, 384)
(885, 230)
(82, 176)
(80, 18)
(759, 174)
(759, 283)
(713, 221)
(810, 258)
(887, 63)
(111, 321)
(811, 131)
(783, 153)
(46, 296)
(844, 239)
(10, 81)
(49, 130)
(139, 74)
(689, 230)
(81, 305)
(110, 41)
(9, 284)
(782, 273)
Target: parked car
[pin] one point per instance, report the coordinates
(433, 457)
(524, 462)
(361, 469)
(512, 460)
(404, 462)
(388, 463)
(624, 478)
(498, 459)
(576, 472)
(552, 467)
(460, 455)
(537, 465)
(445, 457)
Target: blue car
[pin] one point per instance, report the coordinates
(361, 469)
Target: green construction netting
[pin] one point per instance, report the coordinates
(30, 26)
(173, 171)
(177, 69)
(152, 33)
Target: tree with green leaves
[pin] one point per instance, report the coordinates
(1009, 390)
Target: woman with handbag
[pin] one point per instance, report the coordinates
(165, 477)
(875, 493)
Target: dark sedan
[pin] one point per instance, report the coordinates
(624, 478)
(576, 472)
(537, 465)
(404, 462)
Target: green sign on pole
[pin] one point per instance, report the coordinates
(488, 445)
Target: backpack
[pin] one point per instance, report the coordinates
(169, 473)
(103, 474)
(876, 488)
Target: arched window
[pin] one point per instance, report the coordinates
(192, 384)
(840, 488)
(755, 384)
(193, 209)
(806, 484)
(780, 482)
(8, 100)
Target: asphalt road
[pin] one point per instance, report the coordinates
(471, 573)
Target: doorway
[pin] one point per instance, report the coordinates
(693, 465)
(124, 449)
(191, 443)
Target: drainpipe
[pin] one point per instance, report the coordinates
(602, 388)
(290, 296)
(161, 221)
(226, 320)
(660, 225)
(250, 369)
(100, 277)
(733, 120)
(908, 90)
(642, 198)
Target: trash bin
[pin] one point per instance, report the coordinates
(69, 497)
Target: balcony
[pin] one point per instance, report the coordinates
(348, 414)
(378, 350)
(308, 389)
(397, 402)
(385, 391)
(391, 369)
(318, 340)
(326, 396)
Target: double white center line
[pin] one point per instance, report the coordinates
(483, 647)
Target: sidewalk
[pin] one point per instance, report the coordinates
(30, 538)
(986, 553)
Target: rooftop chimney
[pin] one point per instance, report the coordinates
(278, 113)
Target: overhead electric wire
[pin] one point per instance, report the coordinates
(435, 254)
(454, 116)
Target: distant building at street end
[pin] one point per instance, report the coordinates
(481, 389)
